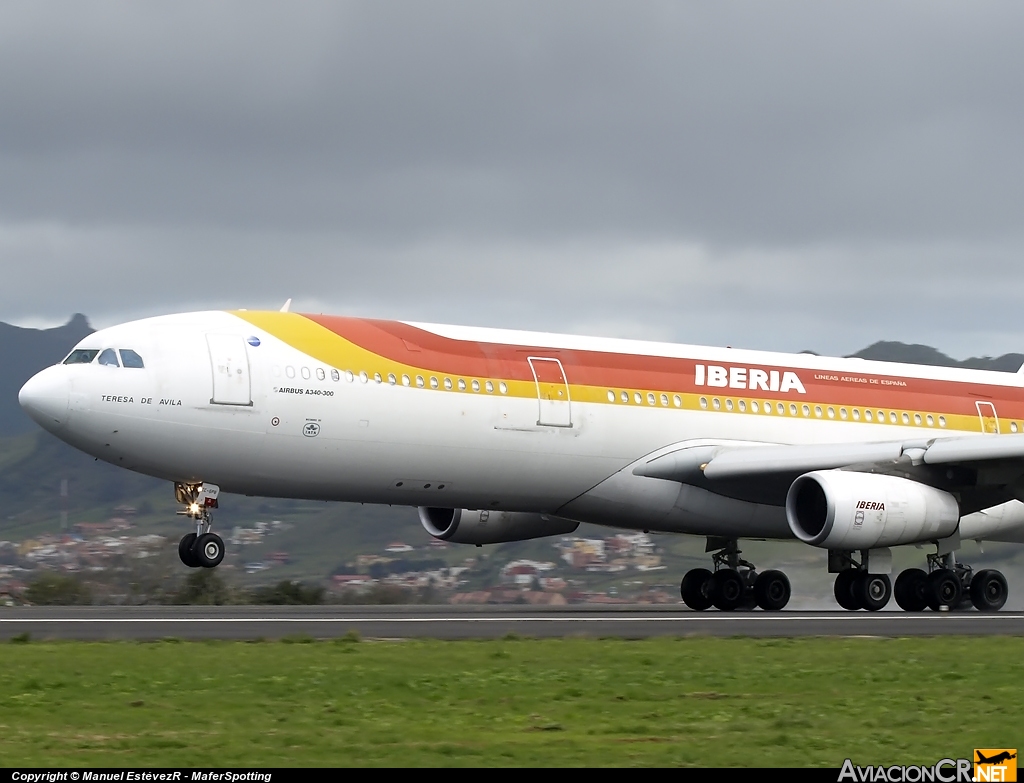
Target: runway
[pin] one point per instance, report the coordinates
(483, 622)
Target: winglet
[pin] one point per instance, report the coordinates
(286, 307)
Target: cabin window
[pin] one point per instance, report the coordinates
(405, 380)
(448, 384)
(792, 409)
(1013, 426)
(475, 385)
(305, 373)
(831, 413)
(650, 398)
(917, 419)
(930, 419)
(782, 408)
(638, 398)
(868, 416)
(335, 376)
(419, 381)
(489, 387)
(892, 416)
(320, 374)
(363, 376)
(817, 411)
(743, 406)
(942, 421)
(664, 400)
(80, 356)
(704, 402)
(131, 359)
(611, 396)
(856, 414)
(728, 405)
(377, 377)
(754, 406)
(289, 371)
(806, 411)
(462, 384)
(717, 404)
(625, 396)
(433, 382)
(677, 401)
(108, 358)
(503, 387)
(349, 376)
(392, 379)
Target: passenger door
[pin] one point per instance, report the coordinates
(230, 364)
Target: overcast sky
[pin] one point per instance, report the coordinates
(766, 175)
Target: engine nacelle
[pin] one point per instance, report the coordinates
(462, 526)
(837, 509)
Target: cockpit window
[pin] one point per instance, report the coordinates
(80, 356)
(131, 359)
(109, 358)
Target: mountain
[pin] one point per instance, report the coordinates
(923, 354)
(23, 353)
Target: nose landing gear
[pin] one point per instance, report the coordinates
(201, 549)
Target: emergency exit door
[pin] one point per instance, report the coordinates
(230, 364)
(555, 408)
(989, 419)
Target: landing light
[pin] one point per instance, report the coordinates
(194, 508)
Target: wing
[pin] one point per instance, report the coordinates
(981, 470)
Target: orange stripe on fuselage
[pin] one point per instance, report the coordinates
(407, 344)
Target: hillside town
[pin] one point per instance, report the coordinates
(579, 569)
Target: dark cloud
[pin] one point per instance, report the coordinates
(783, 175)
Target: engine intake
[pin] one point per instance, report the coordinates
(463, 526)
(837, 509)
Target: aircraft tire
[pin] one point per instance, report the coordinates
(208, 550)
(988, 591)
(910, 590)
(843, 590)
(943, 589)
(772, 590)
(694, 589)
(185, 550)
(726, 590)
(872, 591)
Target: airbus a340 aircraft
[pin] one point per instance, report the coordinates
(503, 436)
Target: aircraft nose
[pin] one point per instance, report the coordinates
(45, 397)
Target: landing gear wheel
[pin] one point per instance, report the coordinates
(185, 551)
(694, 589)
(772, 590)
(726, 590)
(988, 591)
(843, 590)
(872, 591)
(208, 550)
(911, 590)
(943, 589)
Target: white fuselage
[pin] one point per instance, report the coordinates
(254, 404)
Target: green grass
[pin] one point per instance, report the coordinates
(693, 701)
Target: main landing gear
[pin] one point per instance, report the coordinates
(201, 549)
(946, 585)
(734, 584)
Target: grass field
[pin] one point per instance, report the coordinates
(693, 701)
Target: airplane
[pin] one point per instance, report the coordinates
(498, 435)
(996, 759)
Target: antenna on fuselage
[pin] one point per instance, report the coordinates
(286, 307)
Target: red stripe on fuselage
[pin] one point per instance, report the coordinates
(443, 355)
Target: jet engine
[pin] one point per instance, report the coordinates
(837, 509)
(463, 526)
